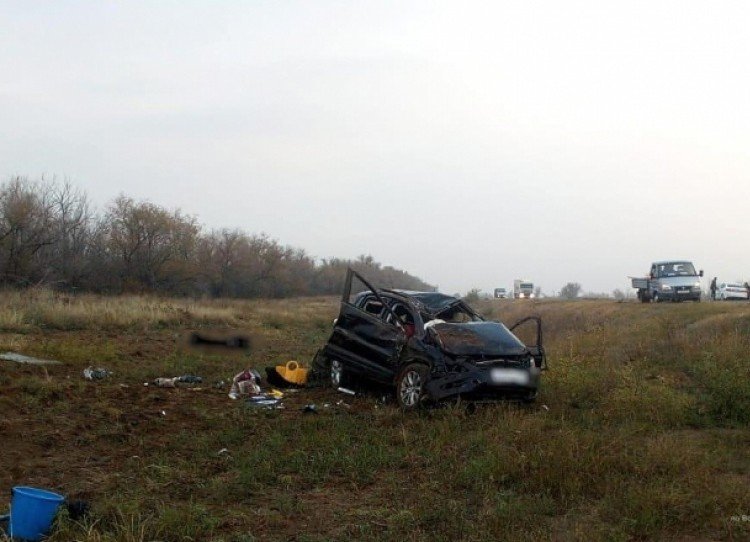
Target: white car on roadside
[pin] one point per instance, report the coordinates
(731, 290)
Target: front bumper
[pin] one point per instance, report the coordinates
(496, 381)
(680, 295)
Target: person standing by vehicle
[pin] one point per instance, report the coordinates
(713, 289)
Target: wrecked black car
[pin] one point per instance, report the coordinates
(430, 346)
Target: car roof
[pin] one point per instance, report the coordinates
(672, 261)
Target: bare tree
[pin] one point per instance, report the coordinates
(49, 234)
(151, 247)
(27, 225)
(570, 290)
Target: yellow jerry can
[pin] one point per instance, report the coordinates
(292, 372)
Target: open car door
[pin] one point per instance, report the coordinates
(537, 350)
(361, 339)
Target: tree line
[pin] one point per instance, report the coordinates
(51, 235)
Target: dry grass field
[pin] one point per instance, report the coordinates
(640, 431)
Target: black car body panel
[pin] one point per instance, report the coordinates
(379, 331)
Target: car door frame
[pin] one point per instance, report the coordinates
(537, 351)
(381, 348)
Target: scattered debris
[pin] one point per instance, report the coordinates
(96, 373)
(189, 379)
(172, 382)
(545, 407)
(33, 512)
(20, 358)
(346, 391)
(245, 383)
(162, 383)
(310, 409)
(223, 451)
(264, 400)
(289, 374)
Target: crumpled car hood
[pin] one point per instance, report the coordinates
(485, 339)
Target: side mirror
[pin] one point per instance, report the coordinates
(700, 273)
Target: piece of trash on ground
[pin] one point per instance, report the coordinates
(172, 382)
(245, 383)
(96, 373)
(20, 358)
(264, 400)
(162, 383)
(189, 379)
(347, 391)
(289, 374)
(33, 512)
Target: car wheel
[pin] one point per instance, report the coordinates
(656, 297)
(529, 397)
(410, 386)
(336, 373)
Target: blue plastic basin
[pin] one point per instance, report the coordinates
(32, 511)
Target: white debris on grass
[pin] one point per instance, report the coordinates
(20, 358)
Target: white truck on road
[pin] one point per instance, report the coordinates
(673, 280)
(523, 289)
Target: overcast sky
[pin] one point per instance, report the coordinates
(469, 143)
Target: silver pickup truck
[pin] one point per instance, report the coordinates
(669, 281)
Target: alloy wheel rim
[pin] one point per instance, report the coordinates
(411, 388)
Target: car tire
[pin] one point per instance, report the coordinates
(336, 373)
(656, 298)
(529, 397)
(410, 386)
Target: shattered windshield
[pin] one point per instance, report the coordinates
(458, 313)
